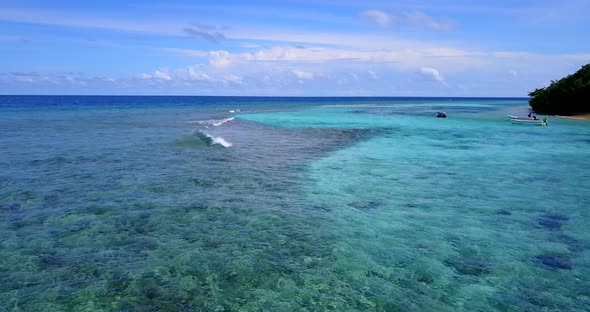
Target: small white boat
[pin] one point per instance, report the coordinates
(528, 120)
(519, 117)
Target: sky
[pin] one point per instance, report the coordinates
(291, 48)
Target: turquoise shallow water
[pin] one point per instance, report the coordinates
(134, 204)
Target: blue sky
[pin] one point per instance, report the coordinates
(296, 48)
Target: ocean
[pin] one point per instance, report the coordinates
(115, 203)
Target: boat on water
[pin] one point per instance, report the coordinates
(528, 120)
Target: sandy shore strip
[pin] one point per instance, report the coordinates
(582, 116)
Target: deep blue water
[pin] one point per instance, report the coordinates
(290, 204)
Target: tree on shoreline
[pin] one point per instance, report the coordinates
(567, 96)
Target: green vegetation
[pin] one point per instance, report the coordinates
(567, 96)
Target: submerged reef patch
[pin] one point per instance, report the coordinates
(572, 243)
(553, 261)
(552, 221)
(365, 205)
(475, 266)
(504, 212)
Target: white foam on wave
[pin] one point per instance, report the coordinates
(219, 140)
(222, 142)
(222, 121)
(213, 122)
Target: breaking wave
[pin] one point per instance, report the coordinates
(212, 140)
(207, 138)
(219, 140)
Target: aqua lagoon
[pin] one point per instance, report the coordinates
(290, 204)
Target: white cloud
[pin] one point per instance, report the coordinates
(303, 75)
(208, 32)
(381, 18)
(444, 58)
(432, 74)
(219, 59)
(187, 52)
(198, 75)
(277, 53)
(277, 78)
(423, 20)
(233, 79)
(293, 54)
(84, 20)
(250, 46)
(417, 19)
(161, 74)
(36, 81)
(192, 73)
(373, 75)
(172, 28)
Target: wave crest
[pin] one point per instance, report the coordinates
(221, 141)
(213, 122)
(212, 140)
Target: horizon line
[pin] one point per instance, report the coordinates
(281, 96)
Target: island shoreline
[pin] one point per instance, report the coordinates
(578, 117)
